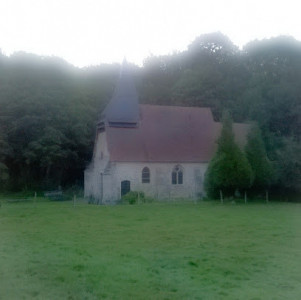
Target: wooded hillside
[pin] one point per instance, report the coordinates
(48, 108)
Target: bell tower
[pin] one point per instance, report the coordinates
(123, 108)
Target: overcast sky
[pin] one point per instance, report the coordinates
(89, 32)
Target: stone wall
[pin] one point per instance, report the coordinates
(160, 186)
(100, 161)
(103, 178)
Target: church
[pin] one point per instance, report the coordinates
(163, 151)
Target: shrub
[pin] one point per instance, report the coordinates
(132, 197)
(256, 154)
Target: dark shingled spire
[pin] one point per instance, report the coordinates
(123, 109)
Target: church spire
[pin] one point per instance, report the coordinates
(123, 108)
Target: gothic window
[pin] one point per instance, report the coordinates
(145, 175)
(177, 175)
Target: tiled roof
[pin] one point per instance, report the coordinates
(169, 134)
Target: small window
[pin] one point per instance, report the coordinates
(145, 175)
(177, 175)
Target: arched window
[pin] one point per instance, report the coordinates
(145, 175)
(177, 175)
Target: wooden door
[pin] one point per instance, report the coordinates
(125, 187)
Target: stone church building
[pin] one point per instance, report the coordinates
(163, 151)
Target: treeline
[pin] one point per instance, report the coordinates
(48, 109)
(48, 114)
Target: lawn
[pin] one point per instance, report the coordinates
(52, 250)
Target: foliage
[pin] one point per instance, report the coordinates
(262, 168)
(288, 163)
(3, 172)
(4, 152)
(133, 197)
(229, 169)
(48, 114)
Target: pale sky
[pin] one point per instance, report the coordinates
(90, 32)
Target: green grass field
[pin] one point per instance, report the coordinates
(52, 250)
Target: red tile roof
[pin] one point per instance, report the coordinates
(169, 134)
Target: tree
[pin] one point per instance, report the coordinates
(215, 45)
(272, 94)
(288, 164)
(48, 116)
(229, 169)
(4, 151)
(256, 154)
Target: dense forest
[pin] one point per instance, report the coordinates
(49, 108)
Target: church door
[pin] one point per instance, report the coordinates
(125, 187)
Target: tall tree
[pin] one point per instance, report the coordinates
(229, 169)
(256, 154)
(288, 163)
(4, 152)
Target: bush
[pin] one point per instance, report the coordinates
(132, 197)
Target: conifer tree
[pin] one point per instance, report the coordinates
(256, 154)
(229, 169)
